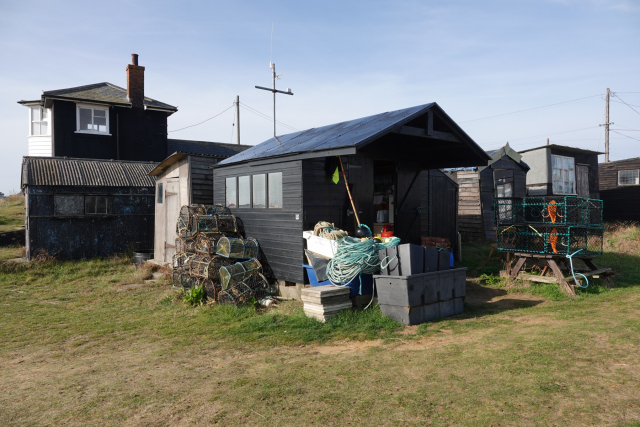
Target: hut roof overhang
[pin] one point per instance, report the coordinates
(424, 133)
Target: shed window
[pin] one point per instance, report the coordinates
(259, 191)
(231, 192)
(39, 121)
(244, 191)
(96, 205)
(563, 175)
(275, 190)
(68, 204)
(92, 119)
(159, 192)
(628, 177)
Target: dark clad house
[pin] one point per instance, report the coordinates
(283, 186)
(100, 121)
(82, 208)
(184, 178)
(620, 189)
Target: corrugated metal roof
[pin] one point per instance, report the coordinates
(204, 147)
(60, 171)
(104, 92)
(352, 133)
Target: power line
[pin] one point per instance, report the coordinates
(616, 95)
(265, 116)
(545, 134)
(624, 103)
(531, 109)
(204, 121)
(625, 135)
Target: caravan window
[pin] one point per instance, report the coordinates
(231, 193)
(275, 190)
(563, 175)
(244, 191)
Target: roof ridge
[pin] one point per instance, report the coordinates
(51, 158)
(89, 86)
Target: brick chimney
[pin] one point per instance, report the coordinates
(135, 82)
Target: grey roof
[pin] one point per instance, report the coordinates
(562, 147)
(102, 92)
(218, 149)
(61, 171)
(352, 133)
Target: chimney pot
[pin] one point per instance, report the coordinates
(134, 59)
(135, 82)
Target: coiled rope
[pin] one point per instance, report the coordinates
(329, 231)
(356, 257)
(574, 274)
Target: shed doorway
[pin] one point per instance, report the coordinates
(582, 180)
(171, 213)
(384, 177)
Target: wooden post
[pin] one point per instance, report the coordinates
(355, 212)
(556, 272)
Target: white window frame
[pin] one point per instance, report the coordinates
(48, 120)
(630, 170)
(92, 107)
(574, 175)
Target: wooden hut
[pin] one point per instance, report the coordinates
(287, 184)
(620, 189)
(184, 178)
(504, 176)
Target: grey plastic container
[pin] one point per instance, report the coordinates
(411, 259)
(420, 289)
(430, 260)
(444, 260)
(423, 313)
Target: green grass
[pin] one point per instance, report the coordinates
(12, 213)
(82, 346)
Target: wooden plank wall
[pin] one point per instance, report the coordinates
(201, 176)
(620, 203)
(609, 172)
(470, 223)
(407, 220)
(278, 231)
(442, 217)
(486, 200)
(324, 200)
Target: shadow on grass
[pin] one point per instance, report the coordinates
(483, 301)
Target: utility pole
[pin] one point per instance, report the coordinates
(274, 91)
(238, 118)
(606, 129)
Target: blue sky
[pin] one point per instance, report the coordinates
(342, 60)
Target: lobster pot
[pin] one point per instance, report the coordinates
(186, 245)
(192, 282)
(237, 248)
(199, 265)
(259, 286)
(206, 243)
(211, 288)
(175, 277)
(550, 240)
(217, 209)
(508, 210)
(227, 223)
(238, 272)
(185, 279)
(185, 219)
(594, 212)
(556, 210)
(179, 262)
(238, 294)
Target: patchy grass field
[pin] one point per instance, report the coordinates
(95, 342)
(12, 212)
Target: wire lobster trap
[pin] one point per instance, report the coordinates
(237, 248)
(550, 240)
(185, 225)
(184, 281)
(211, 288)
(207, 267)
(229, 275)
(185, 245)
(238, 293)
(557, 210)
(260, 286)
(217, 209)
(179, 262)
(219, 223)
(206, 243)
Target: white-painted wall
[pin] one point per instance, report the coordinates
(40, 146)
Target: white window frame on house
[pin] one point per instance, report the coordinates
(93, 108)
(566, 173)
(39, 122)
(634, 175)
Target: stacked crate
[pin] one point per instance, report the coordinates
(549, 225)
(201, 261)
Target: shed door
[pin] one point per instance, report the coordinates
(582, 180)
(172, 206)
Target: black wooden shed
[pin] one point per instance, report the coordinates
(285, 185)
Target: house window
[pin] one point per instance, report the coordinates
(259, 191)
(244, 191)
(96, 205)
(92, 119)
(231, 193)
(39, 121)
(628, 177)
(505, 208)
(275, 190)
(563, 175)
(159, 192)
(504, 190)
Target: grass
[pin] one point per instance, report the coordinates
(12, 212)
(96, 342)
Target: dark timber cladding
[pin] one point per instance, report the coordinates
(277, 230)
(621, 201)
(409, 142)
(201, 179)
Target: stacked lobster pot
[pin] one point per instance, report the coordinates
(210, 252)
(549, 225)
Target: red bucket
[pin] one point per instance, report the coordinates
(387, 231)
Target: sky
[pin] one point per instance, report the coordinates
(479, 60)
